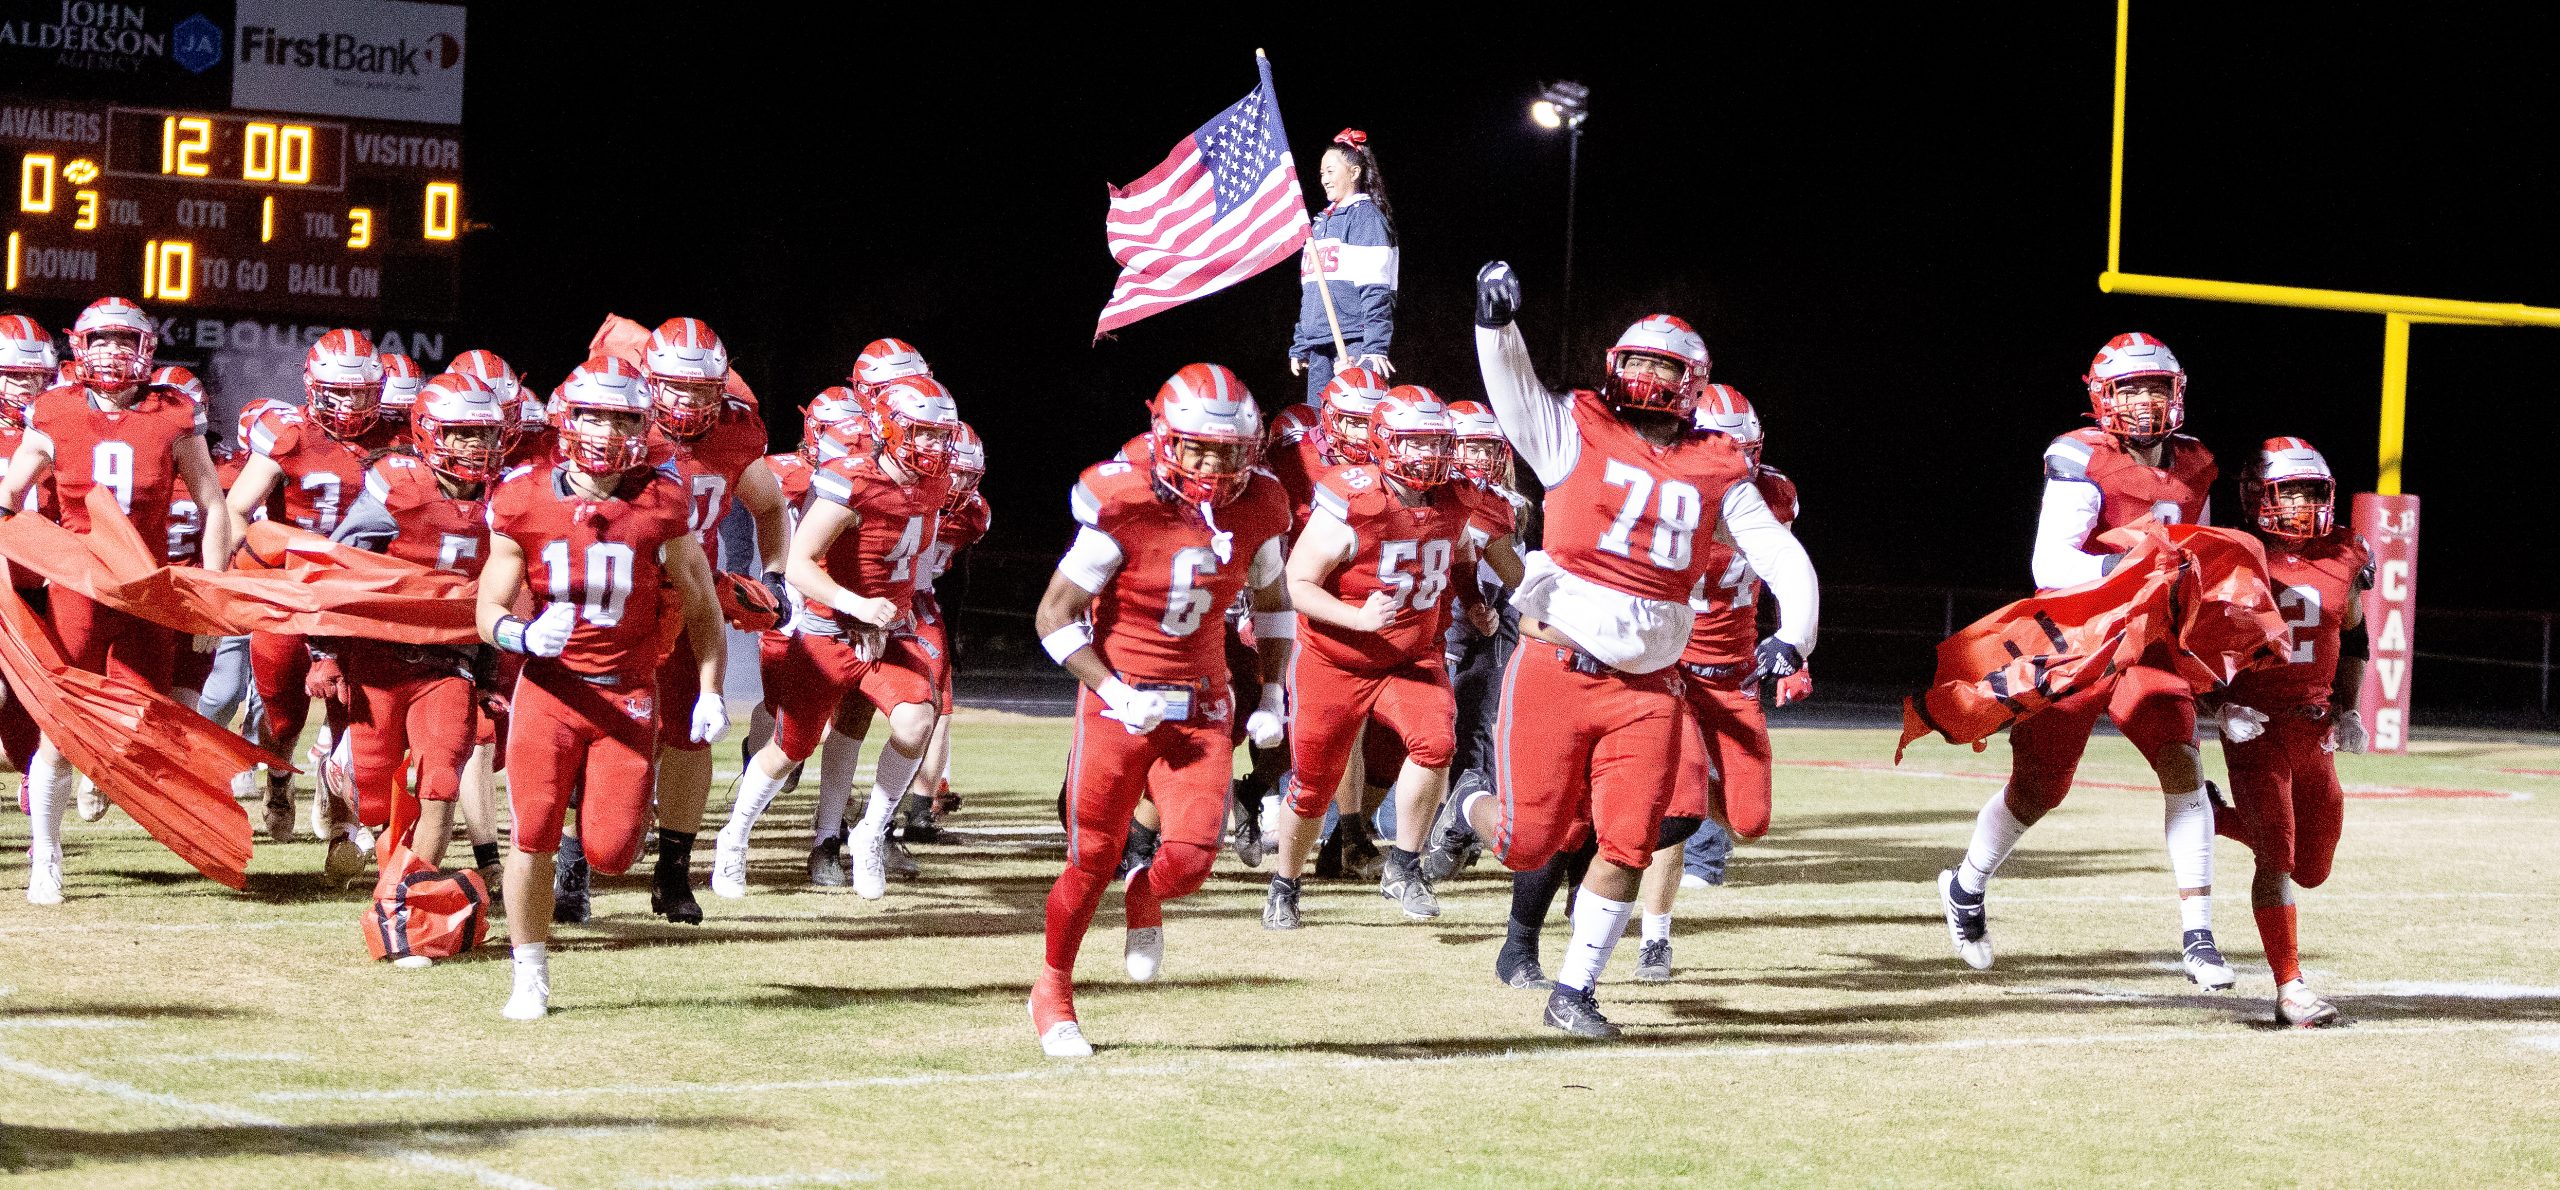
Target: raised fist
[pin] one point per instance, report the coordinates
(1497, 295)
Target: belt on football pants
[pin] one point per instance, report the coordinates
(1714, 673)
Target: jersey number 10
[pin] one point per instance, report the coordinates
(608, 580)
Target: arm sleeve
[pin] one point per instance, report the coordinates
(2070, 513)
(1780, 561)
(1091, 561)
(1538, 423)
(368, 525)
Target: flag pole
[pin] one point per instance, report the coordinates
(1324, 287)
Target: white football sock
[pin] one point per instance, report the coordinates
(49, 779)
(2195, 913)
(755, 792)
(838, 759)
(2187, 822)
(532, 963)
(891, 774)
(1598, 923)
(1995, 834)
(1657, 927)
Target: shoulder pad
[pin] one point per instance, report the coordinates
(2068, 456)
(1106, 485)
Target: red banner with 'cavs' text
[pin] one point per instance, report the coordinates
(2389, 524)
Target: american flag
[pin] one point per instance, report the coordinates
(1224, 206)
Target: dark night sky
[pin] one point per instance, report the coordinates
(1889, 232)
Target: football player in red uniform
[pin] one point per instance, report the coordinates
(1727, 779)
(965, 520)
(791, 471)
(604, 541)
(1479, 648)
(27, 368)
(112, 429)
(1370, 577)
(716, 444)
(401, 384)
(1132, 612)
(308, 467)
(529, 431)
(2133, 465)
(425, 505)
(2280, 725)
(1591, 706)
(853, 558)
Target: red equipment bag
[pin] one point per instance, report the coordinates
(419, 910)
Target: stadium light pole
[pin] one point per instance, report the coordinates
(1565, 105)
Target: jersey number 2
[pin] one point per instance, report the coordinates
(608, 580)
(2304, 603)
(1675, 517)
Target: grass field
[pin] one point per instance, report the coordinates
(160, 1030)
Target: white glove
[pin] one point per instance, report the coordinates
(549, 632)
(2242, 724)
(710, 717)
(1138, 710)
(2347, 734)
(1269, 723)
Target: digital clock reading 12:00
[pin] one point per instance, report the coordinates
(235, 210)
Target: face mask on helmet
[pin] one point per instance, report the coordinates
(968, 466)
(604, 417)
(2142, 408)
(918, 418)
(1412, 438)
(687, 408)
(1484, 460)
(1657, 365)
(1201, 469)
(460, 427)
(2297, 510)
(114, 358)
(1343, 419)
(346, 410)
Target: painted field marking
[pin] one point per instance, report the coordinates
(128, 1093)
(815, 1177)
(1263, 1065)
(202, 1059)
(2361, 792)
(2547, 1041)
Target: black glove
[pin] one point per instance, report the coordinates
(1497, 295)
(1776, 659)
(781, 592)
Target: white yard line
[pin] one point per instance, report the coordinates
(1260, 1065)
(768, 1181)
(220, 1113)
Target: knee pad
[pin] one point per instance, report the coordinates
(1676, 831)
(1180, 868)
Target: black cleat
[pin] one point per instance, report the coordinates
(571, 895)
(1577, 1013)
(1138, 851)
(671, 895)
(1280, 906)
(1361, 858)
(1454, 847)
(1518, 968)
(1329, 856)
(828, 866)
(1653, 963)
(1246, 833)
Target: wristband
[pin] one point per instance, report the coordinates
(1063, 643)
(1113, 692)
(509, 634)
(1275, 625)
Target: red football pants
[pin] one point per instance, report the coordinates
(933, 640)
(102, 640)
(679, 687)
(1724, 768)
(1183, 766)
(815, 673)
(399, 711)
(1331, 703)
(2286, 789)
(278, 663)
(567, 733)
(2152, 706)
(1577, 753)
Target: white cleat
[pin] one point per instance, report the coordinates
(531, 1002)
(2298, 1007)
(2202, 959)
(1145, 952)
(729, 865)
(871, 860)
(44, 876)
(1968, 922)
(91, 804)
(1064, 1039)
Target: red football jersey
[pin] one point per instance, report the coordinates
(2312, 589)
(957, 531)
(1635, 517)
(1409, 552)
(1160, 615)
(531, 448)
(435, 529)
(878, 557)
(319, 475)
(39, 498)
(709, 466)
(1727, 597)
(186, 521)
(128, 451)
(1296, 459)
(2130, 489)
(601, 556)
(791, 472)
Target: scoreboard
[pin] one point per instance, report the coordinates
(354, 221)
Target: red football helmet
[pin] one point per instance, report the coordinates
(1483, 454)
(112, 343)
(1207, 434)
(1411, 436)
(460, 428)
(687, 365)
(180, 379)
(2290, 492)
(1724, 410)
(1343, 427)
(27, 366)
(1656, 343)
(603, 419)
(968, 465)
(2141, 414)
(342, 383)
(401, 384)
(917, 420)
(884, 360)
(833, 404)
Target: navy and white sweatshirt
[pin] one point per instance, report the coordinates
(1360, 263)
